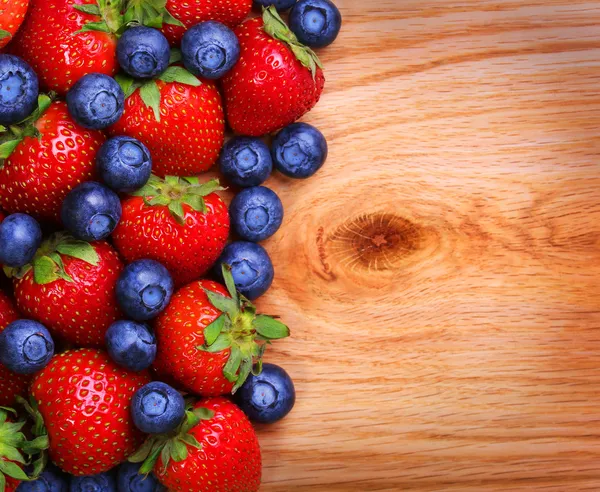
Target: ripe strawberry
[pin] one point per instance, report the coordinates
(179, 118)
(70, 288)
(176, 221)
(276, 79)
(12, 13)
(84, 400)
(215, 449)
(208, 341)
(51, 154)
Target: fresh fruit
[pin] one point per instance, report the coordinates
(130, 480)
(256, 213)
(268, 397)
(51, 480)
(316, 23)
(299, 150)
(143, 52)
(215, 449)
(208, 342)
(96, 101)
(12, 461)
(70, 288)
(102, 482)
(124, 164)
(26, 346)
(280, 5)
(20, 237)
(8, 314)
(18, 89)
(276, 79)
(84, 400)
(176, 221)
(144, 289)
(246, 161)
(251, 267)
(131, 345)
(210, 49)
(45, 166)
(157, 408)
(12, 13)
(178, 117)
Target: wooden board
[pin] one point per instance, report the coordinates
(441, 274)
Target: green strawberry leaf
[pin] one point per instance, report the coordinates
(81, 250)
(191, 441)
(204, 413)
(159, 200)
(39, 465)
(7, 148)
(270, 328)
(229, 282)
(168, 18)
(233, 364)
(87, 8)
(165, 454)
(44, 270)
(177, 212)
(181, 75)
(44, 102)
(11, 453)
(195, 201)
(221, 343)
(207, 188)
(99, 26)
(128, 84)
(144, 451)
(245, 369)
(179, 451)
(150, 94)
(193, 180)
(4, 34)
(12, 470)
(213, 330)
(222, 303)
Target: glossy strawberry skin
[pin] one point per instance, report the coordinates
(268, 88)
(84, 399)
(50, 43)
(179, 329)
(81, 311)
(189, 136)
(229, 460)
(40, 172)
(12, 13)
(229, 12)
(187, 251)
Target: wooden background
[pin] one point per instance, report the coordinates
(441, 274)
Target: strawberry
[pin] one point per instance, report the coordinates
(70, 287)
(178, 117)
(84, 398)
(177, 221)
(45, 157)
(215, 448)
(208, 337)
(12, 13)
(275, 81)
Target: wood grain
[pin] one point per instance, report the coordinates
(441, 274)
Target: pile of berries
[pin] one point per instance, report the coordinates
(131, 353)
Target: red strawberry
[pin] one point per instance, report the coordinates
(12, 13)
(39, 172)
(84, 400)
(208, 341)
(215, 449)
(176, 221)
(70, 288)
(180, 121)
(8, 314)
(276, 79)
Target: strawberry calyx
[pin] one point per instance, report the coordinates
(172, 445)
(151, 13)
(38, 446)
(47, 264)
(4, 34)
(240, 330)
(276, 27)
(112, 20)
(173, 192)
(12, 444)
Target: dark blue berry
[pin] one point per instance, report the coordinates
(209, 49)
(157, 408)
(130, 480)
(20, 237)
(143, 52)
(18, 90)
(256, 213)
(124, 164)
(299, 150)
(144, 289)
(316, 23)
(131, 344)
(96, 101)
(280, 5)
(91, 211)
(25, 346)
(103, 482)
(246, 161)
(51, 480)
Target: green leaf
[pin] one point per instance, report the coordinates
(44, 270)
(128, 84)
(150, 94)
(193, 180)
(87, 8)
(148, 189)
(7, 148)
(190, 421)
(44, 102)
(2, 482)
(172, 180)
(195, 201)
(206, 188)
(229, 282)
(169, 19)
(257, 368)
(165, 454)
(176, 209)
(191, 441)
(11, 453)
(12, 470)
(181, 75)
(143, 452)
(4, 34)
(152, 458)
(159, 200)
(222, 303)
(233, 364)
(222, 342)
(245, 369)
(270, 328)
(204, 413)
(81, 250)
(100, 26)
(38, 444)
(39, 465)
(212, 331)
(179, 450)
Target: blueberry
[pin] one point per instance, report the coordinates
(51, 480)
(25, 346)
(251, 267)
(246, 161)
(20, 237)
(268, 397)
(96, 101)
(143, 52)
(103, 482)
(209, 49)
(256, 213)
(157, 408)
(124, 164)
(91, 211)
(144, 289)
(129, 480)
(280, 5)
(299, 150)
(316, 23)
(131, 345)
(18, 90)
